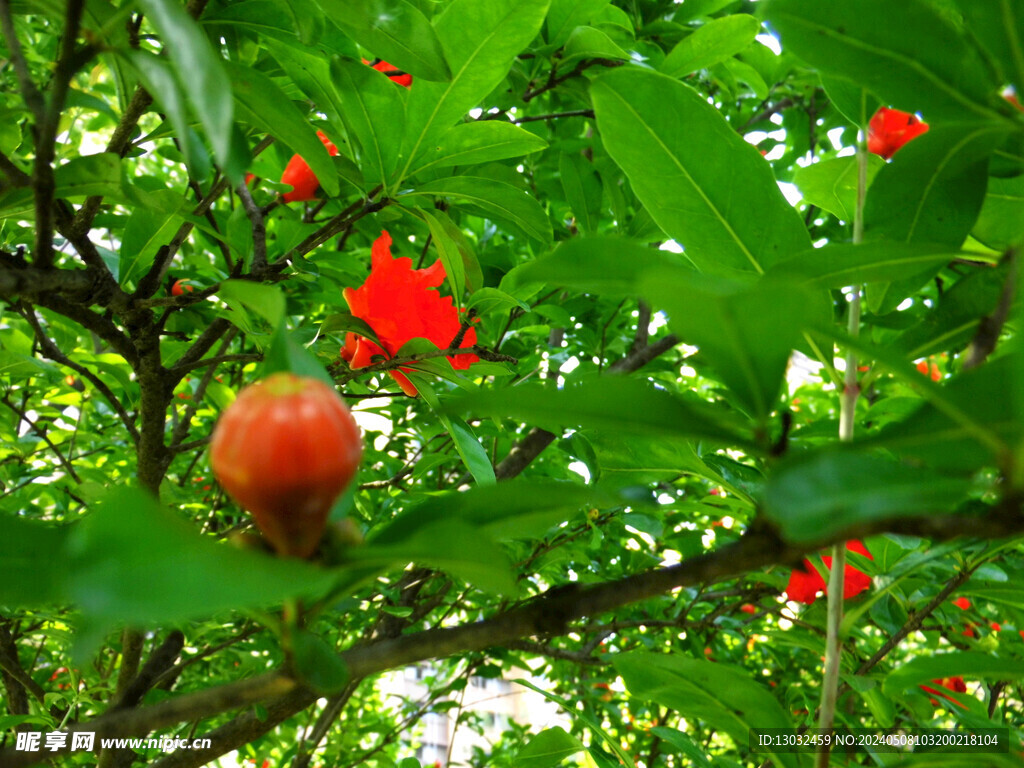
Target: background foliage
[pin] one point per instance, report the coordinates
(616, 511)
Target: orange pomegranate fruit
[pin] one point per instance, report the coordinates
(285, 449)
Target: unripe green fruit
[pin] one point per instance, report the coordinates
(285, 450)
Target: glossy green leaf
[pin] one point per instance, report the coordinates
(450, 256)
(565, 15)
(999, 28)
(969, 664)
(146, 231)
(683, 161)
(394, 30)
(1001, 221)
(266, 106)
(839, 264)
(740, 331)
(317, 664)
(265, 300)
(446, 543)
(814, 498)
(547, 749)
(480, 41)
(906, 53)
(684, 744)
(711, 43)
(200, 71)
(856, 104)
(934, 187)
(373, 109)
(287, 354)
(347, 322)
(82, 176)
(600, 265)
(590, 43)
(720, 694)
(832, 184)
(127, 558)
(32, 572)
(479, 142)
(157, 75)
(695, 9)
(955, 321)
(473, 454)
(938, 433)
(639, 408)
(311, 75)
(507, 511)
(494, 199)
(582, 189)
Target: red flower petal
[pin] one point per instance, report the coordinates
(399, 303)
(890, 129)
(382, 66)
(804, 585)
(298, 173)
(962, 603)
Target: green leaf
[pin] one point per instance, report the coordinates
(720, 694)
(450, 256)
(495, 199)
(683, 743)
(394, 30)
(609, 402)
(968, 428)
(32, 572)
(81, 176)
(740, 331)
(479, 142)
(347, 322)
(373, 109)
(446, 543)
(832, 184)
(127, 558)
(480, 40)
(506, 511)
(565, 15)
(606, 266)
(590, 43)
(317, 664)
(146, 231)
(201, 73)
(695, 9)
(619, 753)
(311, 75)
(156, 74)
(933, 189)
(548, 748)
(969, 664)
(906, 53)
(266, 106)
(711, 43)
(839, 264)
(954, 322)
(998, 26)
(285, 354)
(265, 300)
(683, 161)
(1001, 221)
(817, 496)
(582, 189)
(466, 443)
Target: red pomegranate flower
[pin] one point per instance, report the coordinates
(382, 66)
(890, 129)
(955, 684)
(298, 173)
(962, 603)
(805, 583)
(398, 303)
